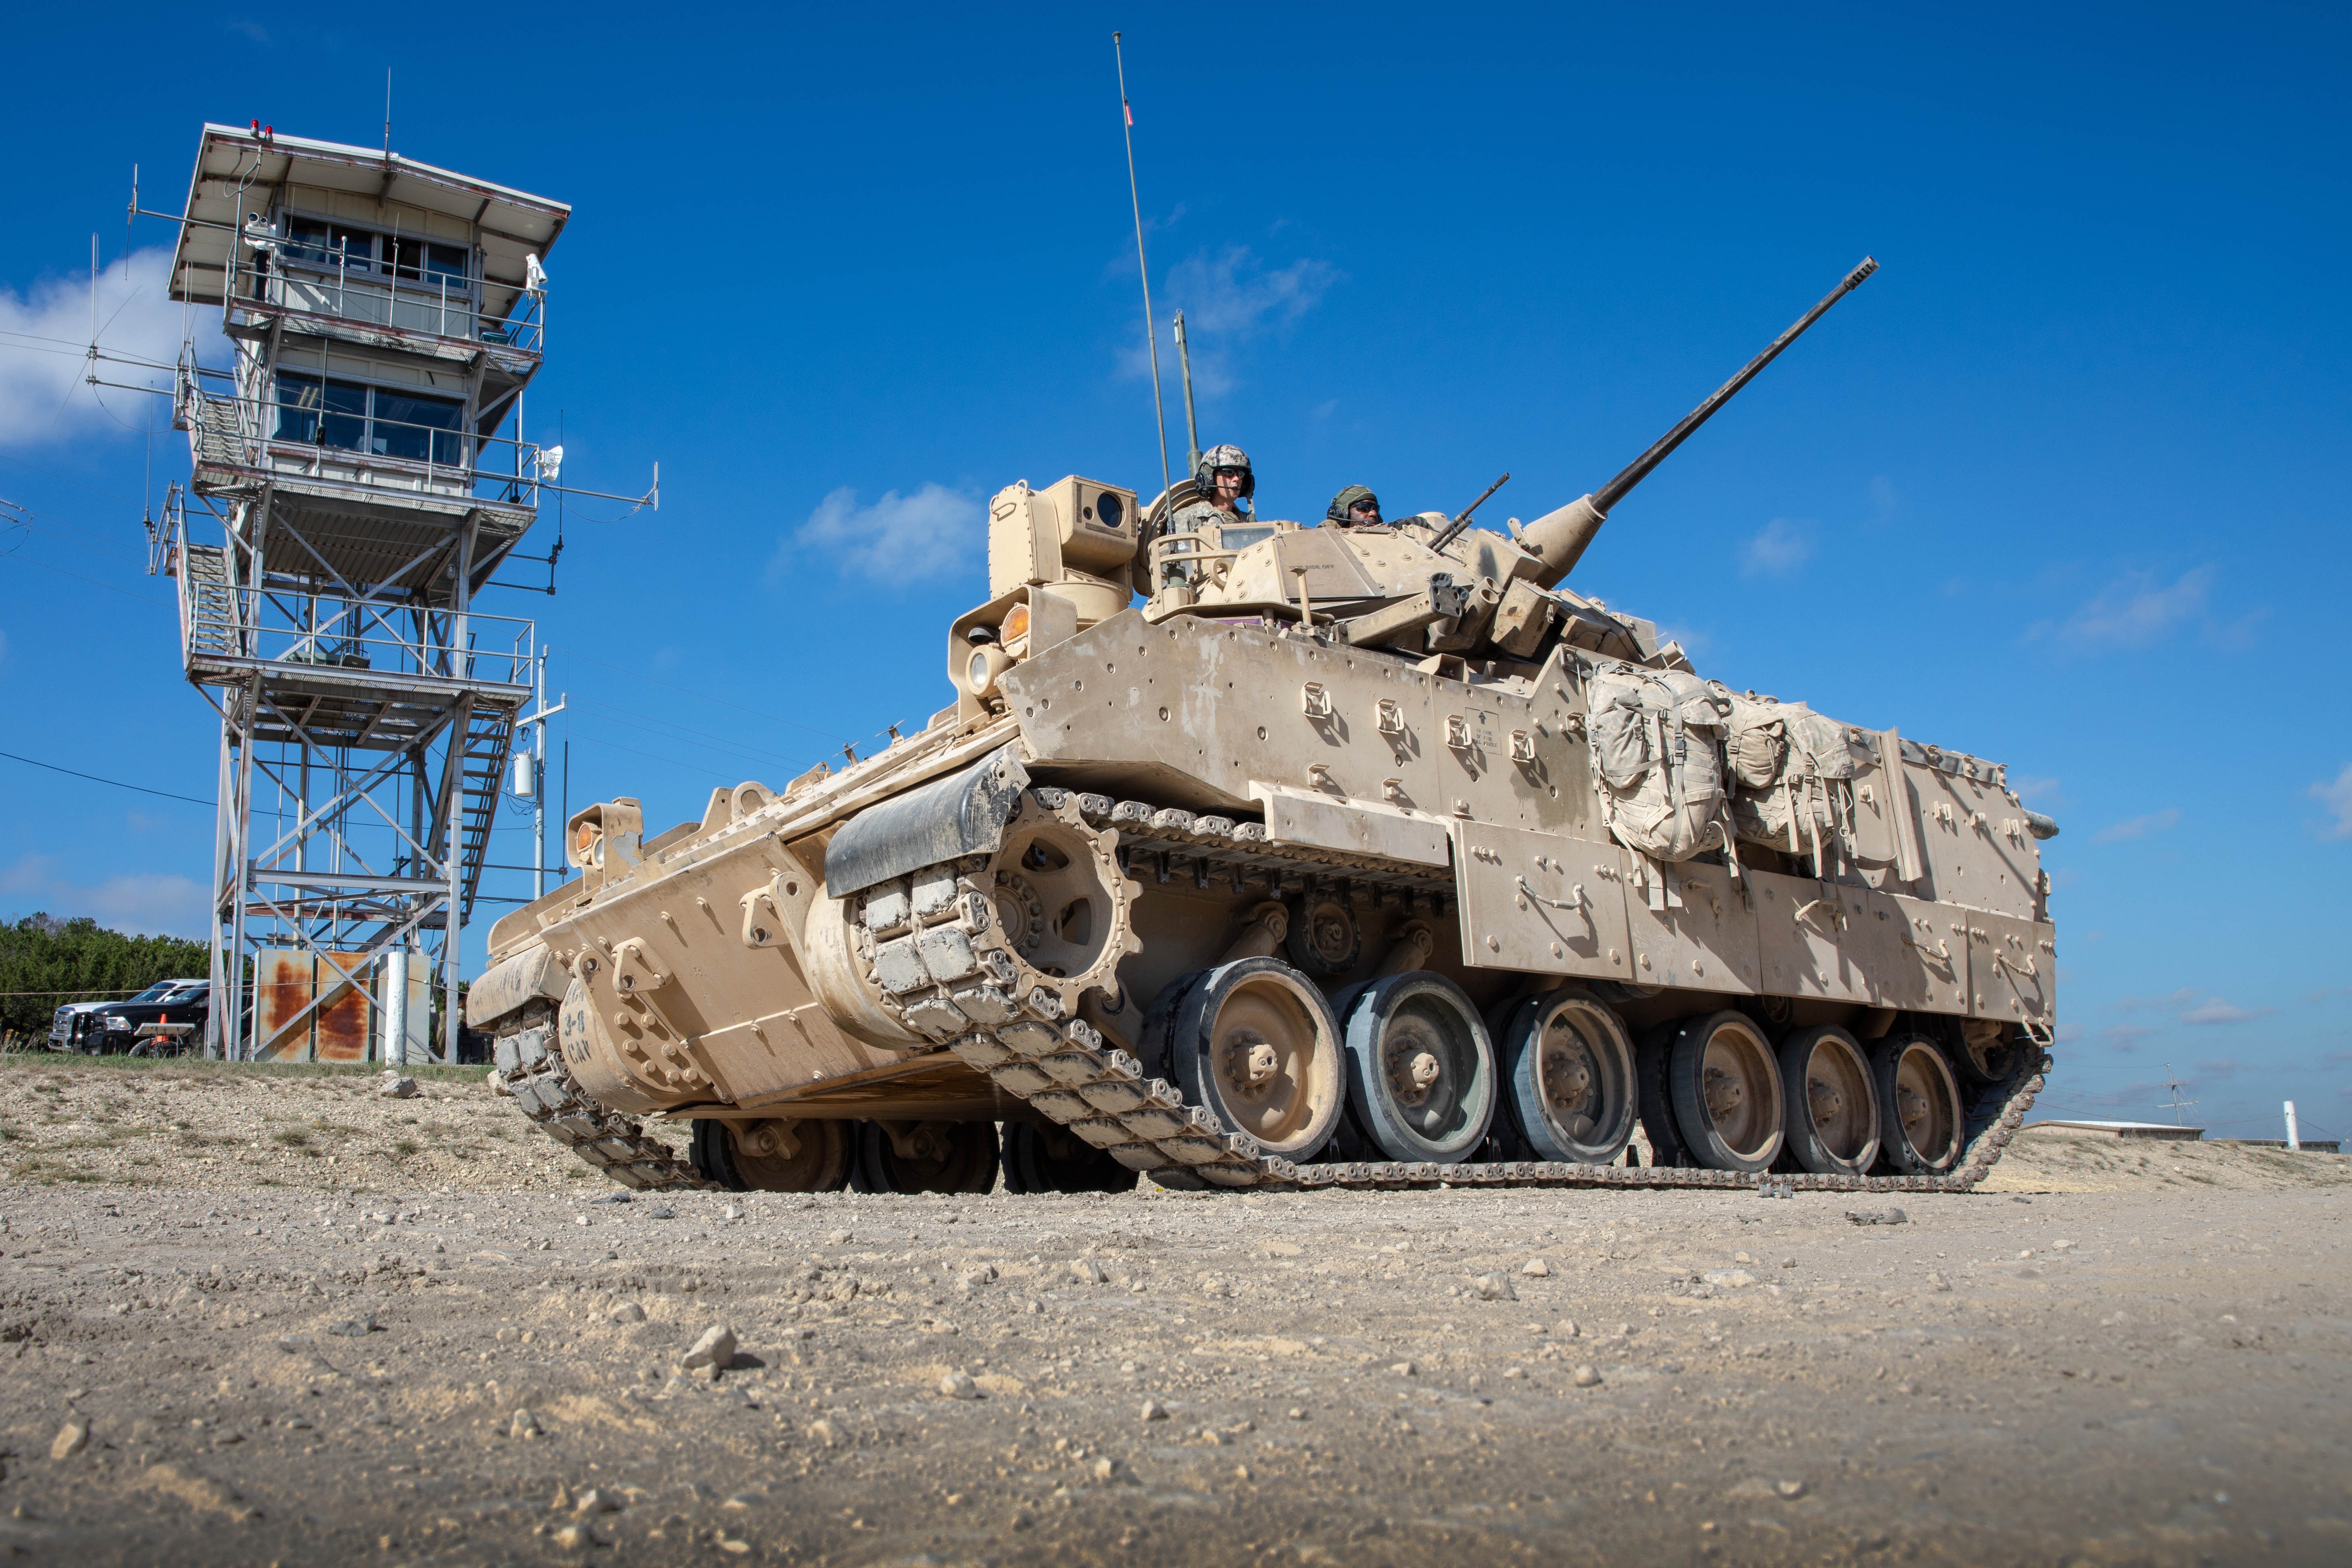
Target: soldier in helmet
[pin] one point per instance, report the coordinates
(1226, 485)
(1355, 507)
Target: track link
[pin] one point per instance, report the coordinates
(531, 1070)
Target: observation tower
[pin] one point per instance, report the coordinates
(360, 477)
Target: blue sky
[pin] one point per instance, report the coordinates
(2065, 485)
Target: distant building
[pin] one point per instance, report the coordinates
(2164, 1131)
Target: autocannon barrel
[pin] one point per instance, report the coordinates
(1560, 537)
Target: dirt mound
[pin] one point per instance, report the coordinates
(2057, 1159)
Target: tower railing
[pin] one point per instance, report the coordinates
(265, 435)
(322, 284)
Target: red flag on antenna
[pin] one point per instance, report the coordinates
(1130, 112)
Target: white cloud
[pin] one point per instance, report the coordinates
(2137, 609)
(44, 339)
(1695, 642)
(1233, 294)
(1779, 550)
(2213, 1010)
(899, 538)
(1883, 502)
(2029, 787)
(2336, 796)
(2139, 826)
(1230, 299)
(2180, 998)
(2123, 1038)
(152, 903)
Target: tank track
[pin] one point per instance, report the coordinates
(1063, 1067)
(614, 1144)
(1065, 1070)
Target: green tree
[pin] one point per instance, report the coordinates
(46, 962)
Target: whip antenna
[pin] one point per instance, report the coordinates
(1150, 333)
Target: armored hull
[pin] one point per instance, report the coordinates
(1346, 856)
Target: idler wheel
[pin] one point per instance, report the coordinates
(1254, 1044)
(1036, 1160)
(923, 1157)
(1726, 1087)
(1829, 1102)
(1918, 1106)
(1569, 1072)
(1421, 1067)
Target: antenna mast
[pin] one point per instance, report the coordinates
(1150, 333)
(387, 114)
(1192, 425)
(2178, 1104)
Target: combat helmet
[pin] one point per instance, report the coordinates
(1346, 498)
(1224, 457)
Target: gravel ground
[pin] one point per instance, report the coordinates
(216, 1128)
(454, 1355)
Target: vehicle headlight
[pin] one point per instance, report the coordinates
(117, 1021)
(982, 669)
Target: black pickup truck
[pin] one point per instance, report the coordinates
(164, 1020)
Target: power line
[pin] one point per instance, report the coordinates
(93, 582)
(674, 686)
(93, 778)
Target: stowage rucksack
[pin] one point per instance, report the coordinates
(1657, 738)
(1803, 797)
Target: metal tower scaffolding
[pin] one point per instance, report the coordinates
(385, 317)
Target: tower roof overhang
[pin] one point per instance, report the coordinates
(234, 164)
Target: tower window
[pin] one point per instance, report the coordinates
(336, 246)
(330, 245)
(356, 418)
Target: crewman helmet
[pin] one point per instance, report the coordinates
(1224, 457)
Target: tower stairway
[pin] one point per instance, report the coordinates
(207, 603)
(488, 737)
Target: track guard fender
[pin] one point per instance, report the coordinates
(963, 814)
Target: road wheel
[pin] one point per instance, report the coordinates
(1726, 1089)
(1918, 1106)
(1421, 1067)
(709, 1152)
(1829, 1102)
(1042, 1159)
(1569, 1072)
(923, 1157)
(776, 1155)
(1654, 1101)
(1254, 1045)
(1988, 1054)
(1151, 1046)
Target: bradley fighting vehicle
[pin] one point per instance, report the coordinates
(1356, 855)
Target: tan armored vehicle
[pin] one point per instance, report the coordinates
(1351, 854)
